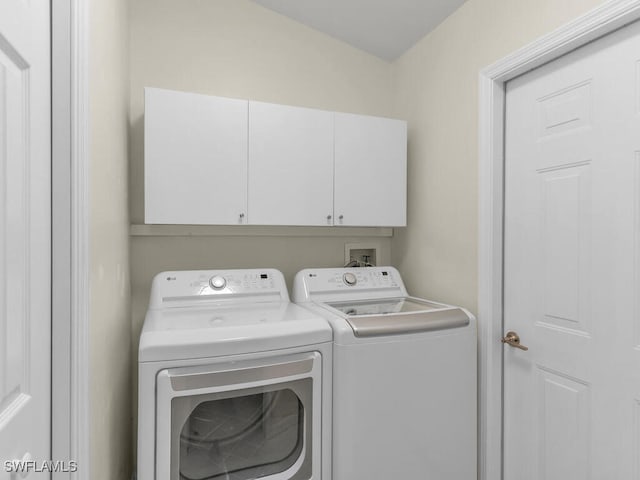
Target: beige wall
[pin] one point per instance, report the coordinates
(110, 326)
(436, 90)
(151, 255)
(235, 48)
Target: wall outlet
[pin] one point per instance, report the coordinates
(361, 254)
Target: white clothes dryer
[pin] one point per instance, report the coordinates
(234, 380)
(404, 377)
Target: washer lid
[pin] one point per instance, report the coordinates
(222, 330)
(384, 306)
(392, 316)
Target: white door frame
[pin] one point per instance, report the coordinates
(604, 19)
(70, 429)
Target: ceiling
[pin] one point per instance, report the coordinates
(385, 28)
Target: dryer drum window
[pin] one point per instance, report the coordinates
(242, 434)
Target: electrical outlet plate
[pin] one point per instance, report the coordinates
(366, 254)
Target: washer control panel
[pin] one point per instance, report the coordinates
(239, 285)
(366, 277)
(370, 281)
(350, 278)
(218, 282)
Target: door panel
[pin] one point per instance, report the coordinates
(636, 248)
(636, 438)
(24, 232)
(572, 265)
(566, 194)
(13, 225)
(567, 455)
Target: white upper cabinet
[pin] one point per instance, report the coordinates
(195, 158)
(290, 165)
(222, 161)
(370, 182)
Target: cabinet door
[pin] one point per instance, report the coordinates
(370, 171)
(195, 158)
(290, 165)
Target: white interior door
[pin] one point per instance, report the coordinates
(25, 212)
(572, 266)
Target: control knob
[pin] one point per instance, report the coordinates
(217, 282)
(349, 278)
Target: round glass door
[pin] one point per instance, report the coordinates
(254, 434)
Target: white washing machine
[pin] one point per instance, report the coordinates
(234, 380)
(404, 377)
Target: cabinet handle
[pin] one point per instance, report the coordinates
(328, 217)
(341, 217)
(241, 217)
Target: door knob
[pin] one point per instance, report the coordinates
(513, 339)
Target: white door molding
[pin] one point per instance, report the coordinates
(80, 263)
(70, 213)
(605, 19)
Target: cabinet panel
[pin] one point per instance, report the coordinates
(195, 158)
(370, 171)
(290, 165)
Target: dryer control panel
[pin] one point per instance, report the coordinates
(198, 286)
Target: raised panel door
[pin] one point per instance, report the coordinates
(572, 268)
(25, 232)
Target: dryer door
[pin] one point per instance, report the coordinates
(245, 422)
